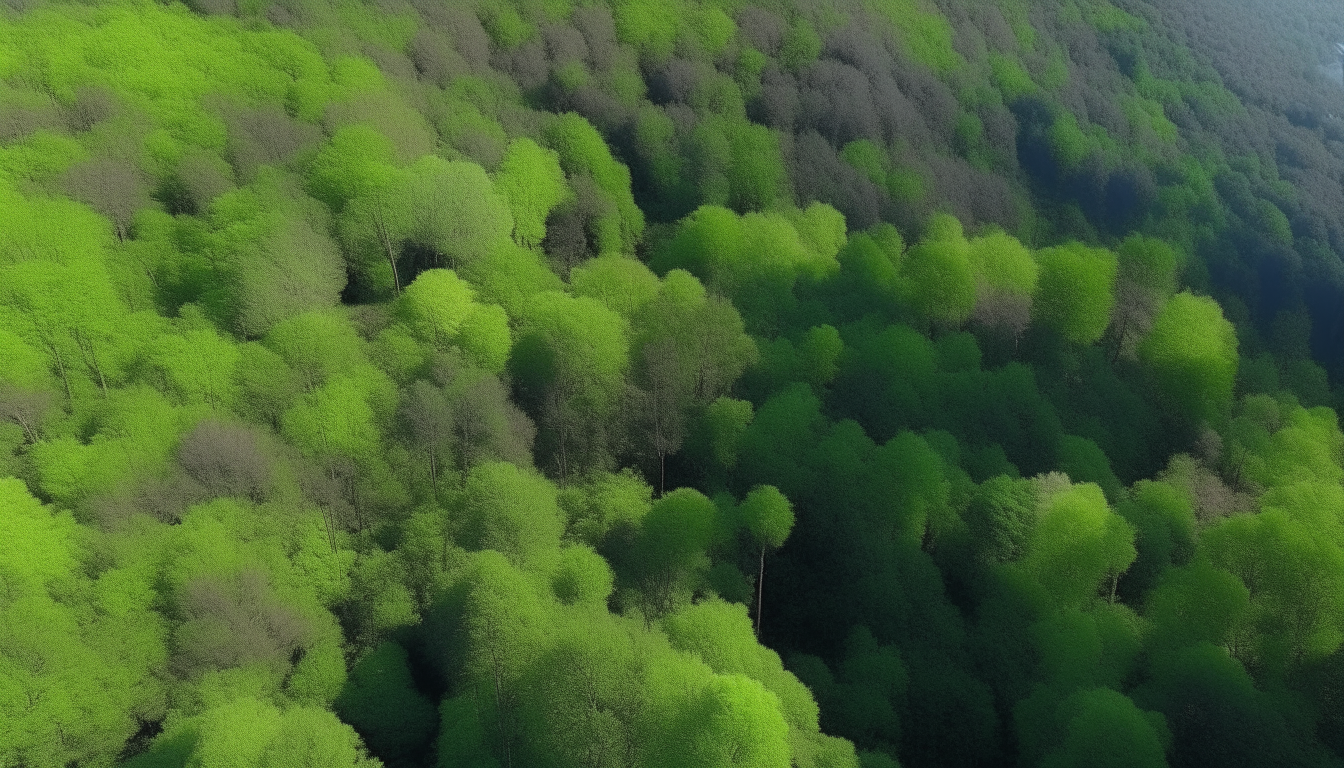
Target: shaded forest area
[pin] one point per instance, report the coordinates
(815, 383)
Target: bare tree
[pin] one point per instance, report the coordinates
(659, 402)
(430, 422)
(114, 188)
(234, 621)
(227, 460)
(24, 407)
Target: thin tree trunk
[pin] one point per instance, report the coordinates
(60, 366)
(386, 240)
(27, 429)
(760, 589)
(90, 358)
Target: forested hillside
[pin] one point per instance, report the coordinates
(761, 383)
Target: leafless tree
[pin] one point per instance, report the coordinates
(25, 407)
(232, 621)
(114, 188)
(227, 460)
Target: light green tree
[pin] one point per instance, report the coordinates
(1192, 351)
(1075, 291)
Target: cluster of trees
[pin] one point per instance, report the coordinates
(422, 384)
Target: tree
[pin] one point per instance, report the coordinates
(1075, 291)
(1078, 543)
(670, 551)
(247, 731)
(531, 180)
(233, 622)
(1005, 281)
(503, 626)
(430, 419)
(275, 258)
(1145, 281)
(583, 152)
(511, 511)
(77, 652)
(114, 188)
(381, 702)
(227, 459)
(1001, 517)
(1192, 352)
(768, 516)
(26, 408)
(937, 279)
(1108, 730)
(568, 367)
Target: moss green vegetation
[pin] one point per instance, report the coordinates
(848, 384)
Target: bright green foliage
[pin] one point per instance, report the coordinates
(452, 208)
(1002, 264)
(510, 276)
(196, 365)
(754, 259)
(703, 336)
(767, 515)
(315, 346)
(356, 162)
(138, 431)
(1164, 529)
(937, 278)
(582, 577)
(1192, 351)
(299, 300)
(1198, 603)
(737, 722)
(1075, 291)
(75, 654)
(435, 213)
(511, 511)
(252, 732)
(1068, 143)
(275, 263)
(608, 503)
(1296, 580)
(624, 284)
(737, 163)
(583, 152)
(720, 634)
(1084, 461)
(569, 362)
(441, 310)
(670, 554)
(531, 180)
(1079, 545)
(336, 420)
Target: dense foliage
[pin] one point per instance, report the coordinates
(437, 383)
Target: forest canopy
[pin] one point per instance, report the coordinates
(436, 383)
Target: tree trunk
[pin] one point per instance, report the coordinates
(386, 240)
(60, 366)
(90, 358)
(760, 589)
